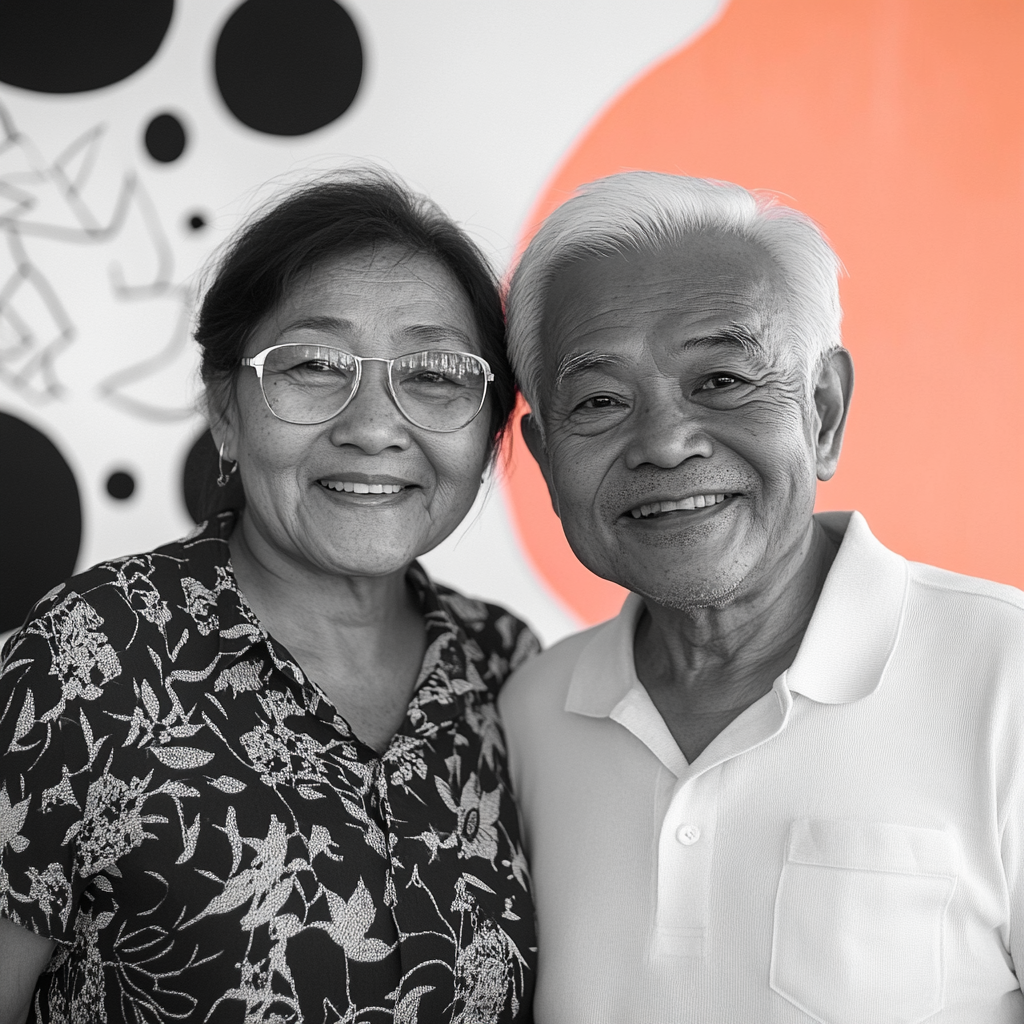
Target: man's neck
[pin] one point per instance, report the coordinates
(704, 666)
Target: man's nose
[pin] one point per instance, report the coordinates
(371, 421)
(666, 429)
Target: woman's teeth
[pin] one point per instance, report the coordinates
(687, 504)
(352, 487)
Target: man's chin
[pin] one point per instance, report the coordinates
(691, 595)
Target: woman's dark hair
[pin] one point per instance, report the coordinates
(319, 222)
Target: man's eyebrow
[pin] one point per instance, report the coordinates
(580, 362)
(735, 336)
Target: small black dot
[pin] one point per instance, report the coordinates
(197, 222)
(165, 138)
(120, 485)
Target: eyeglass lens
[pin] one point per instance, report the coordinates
(435, 389)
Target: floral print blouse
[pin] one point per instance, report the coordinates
(205, 837)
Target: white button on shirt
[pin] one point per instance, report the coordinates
(687, 834)
(850, 849)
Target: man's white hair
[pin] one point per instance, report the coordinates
(643, 211)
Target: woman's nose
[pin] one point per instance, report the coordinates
(371, 421)
(666, 429)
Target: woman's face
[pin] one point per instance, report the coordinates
(385, 303)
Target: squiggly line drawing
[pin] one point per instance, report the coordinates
(35, 325)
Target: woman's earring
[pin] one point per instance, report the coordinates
(224, 475)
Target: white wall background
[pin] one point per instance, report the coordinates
(472, 103)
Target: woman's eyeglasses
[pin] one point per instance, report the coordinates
(436, 390)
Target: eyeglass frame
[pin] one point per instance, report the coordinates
(257, 362)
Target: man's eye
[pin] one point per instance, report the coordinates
(600, 402)
(719, 381)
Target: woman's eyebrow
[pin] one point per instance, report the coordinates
(339, 325)
(437, 332)
(331, 324)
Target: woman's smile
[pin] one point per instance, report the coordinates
(361, 489)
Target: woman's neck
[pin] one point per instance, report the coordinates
(360, 638)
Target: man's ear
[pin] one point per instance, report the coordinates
(535, 442)
(832, 393)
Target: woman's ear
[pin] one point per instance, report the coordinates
(534, 438)
(218, 406)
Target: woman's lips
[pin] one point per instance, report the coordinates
(361, 487)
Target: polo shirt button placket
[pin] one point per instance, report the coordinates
(687, 834)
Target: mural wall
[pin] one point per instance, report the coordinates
(133, 139)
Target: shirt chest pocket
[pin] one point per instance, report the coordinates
(860, 913)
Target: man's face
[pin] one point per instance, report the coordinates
(682, 457)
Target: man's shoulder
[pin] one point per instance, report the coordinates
(967, 617)
(545, 678)
(999, 600)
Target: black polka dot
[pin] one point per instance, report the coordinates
(288, 67)
(165, 138)
(62, 46)
(197, 222)
(120, 485)
(40, 519)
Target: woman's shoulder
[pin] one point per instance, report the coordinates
(490, 626)
(116, 596)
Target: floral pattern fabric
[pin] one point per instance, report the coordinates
(207, 840)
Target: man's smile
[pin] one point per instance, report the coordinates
(688, 504)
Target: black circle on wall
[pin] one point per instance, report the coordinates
(197, 222)
(288, 67)
(120, 485)
(165, 138)
(61, 46)
(40, 519)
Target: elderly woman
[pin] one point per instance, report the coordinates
(257, 774)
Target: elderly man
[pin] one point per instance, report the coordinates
(786, 783)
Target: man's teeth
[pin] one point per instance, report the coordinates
(354, 487)
(687, 504)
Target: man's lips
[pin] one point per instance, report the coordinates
(690, 503)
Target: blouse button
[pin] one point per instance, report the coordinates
(687, 834)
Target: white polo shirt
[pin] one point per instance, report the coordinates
(848, 850)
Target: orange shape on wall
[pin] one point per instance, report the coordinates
(899, 126)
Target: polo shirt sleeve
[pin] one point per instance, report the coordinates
(49, 731)
(1012, 849)
(1007, 710)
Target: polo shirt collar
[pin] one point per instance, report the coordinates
(844, 652)
(857, 620)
